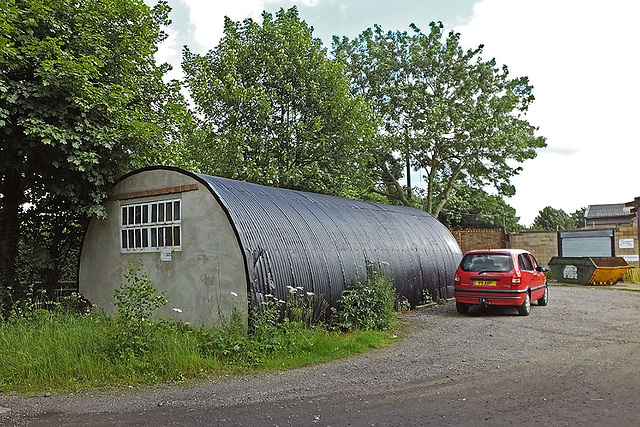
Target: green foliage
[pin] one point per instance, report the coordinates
(428, 299)
(82, 101)
(469, 208)
(555, 220)
(136, 302)
(632, 275)
(306, 308)
(446, 110)
(578, 217)
(278, 110)
(66, 350)
(549, 275)
(366, 305)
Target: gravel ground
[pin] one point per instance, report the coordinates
(574, 362)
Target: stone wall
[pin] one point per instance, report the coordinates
(480, 239)
(544, 244)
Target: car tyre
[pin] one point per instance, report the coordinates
(545, 298)
(462, 307)
(525, 308)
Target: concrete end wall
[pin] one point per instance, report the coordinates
(205, 281)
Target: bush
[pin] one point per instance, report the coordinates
(136, 302)
(632, 275)
(366, 305)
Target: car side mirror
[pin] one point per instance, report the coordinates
(542, 269)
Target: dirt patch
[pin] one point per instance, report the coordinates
(574, 362)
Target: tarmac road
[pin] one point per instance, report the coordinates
(573, 362)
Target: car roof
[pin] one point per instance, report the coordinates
(506, 251)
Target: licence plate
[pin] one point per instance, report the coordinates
(485, 283)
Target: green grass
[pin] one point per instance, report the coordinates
(632, 275)
(59, 349)
(56, 351)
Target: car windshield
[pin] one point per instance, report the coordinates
(485, 261)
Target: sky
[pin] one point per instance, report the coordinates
(580, 56)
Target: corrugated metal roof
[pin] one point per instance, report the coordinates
(322, 243)
(607, 211)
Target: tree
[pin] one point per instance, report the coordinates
(553, 220)
(577, 218)
(278, 110)
(81, 102)
(445, 111)
(475, 208)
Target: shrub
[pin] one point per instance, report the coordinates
(366, 305)
(136, 302)
(632, 275)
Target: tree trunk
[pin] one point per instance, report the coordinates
(13, 198)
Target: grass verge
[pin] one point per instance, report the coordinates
(53, 351)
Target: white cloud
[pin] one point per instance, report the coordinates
(207, 17)
(169, 52)
(580, 57)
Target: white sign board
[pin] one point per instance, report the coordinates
(630, 258)
(165, 255)
(625, 243)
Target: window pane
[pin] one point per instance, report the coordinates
(124, 239)
(145, 237)
(160, 237)
(124, 215)
(131, 240)
(176, 236)
(167, 236)
(131, 216)
(169, 215)
(154, 237)
(145, 214)
(154, 213)
(527, 262)
(138, 238)
(138, 214)
(176, 210)
(160, 212)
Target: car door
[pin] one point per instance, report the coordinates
(528, 279)
(539, 278)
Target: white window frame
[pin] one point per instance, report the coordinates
(151, 226)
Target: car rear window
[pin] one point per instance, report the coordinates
(478, 262)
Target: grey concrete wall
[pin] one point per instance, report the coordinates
(206, 280)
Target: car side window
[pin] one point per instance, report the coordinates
(533, 261)
(525, 263)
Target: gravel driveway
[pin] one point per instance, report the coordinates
(574, 362)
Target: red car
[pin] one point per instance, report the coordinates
(509, 277)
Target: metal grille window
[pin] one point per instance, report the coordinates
(151, 227)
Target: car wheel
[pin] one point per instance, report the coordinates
(462, 307)
(525, 308)
(545, 298)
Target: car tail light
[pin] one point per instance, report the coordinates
(515, 280)
(456, 278)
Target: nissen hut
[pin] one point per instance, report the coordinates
(216, 245)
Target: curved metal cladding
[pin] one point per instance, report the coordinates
(322, 243)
